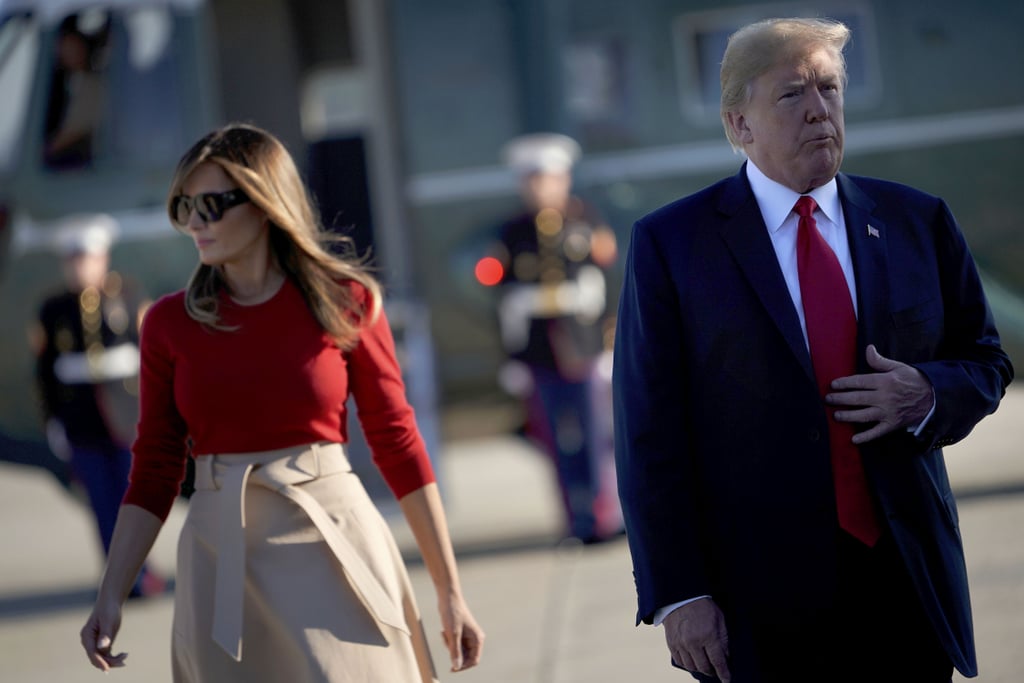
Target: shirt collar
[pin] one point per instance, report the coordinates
(776, 200)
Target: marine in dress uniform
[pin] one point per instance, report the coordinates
(87, 370)
(553, 318)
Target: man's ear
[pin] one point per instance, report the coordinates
(738, 125)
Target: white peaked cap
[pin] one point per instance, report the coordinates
(541, 153)
(85, 237)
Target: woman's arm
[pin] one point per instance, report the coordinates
(424, 512)
(134, 534)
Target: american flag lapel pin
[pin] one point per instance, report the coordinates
(872, 231)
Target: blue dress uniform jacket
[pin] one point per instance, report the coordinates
(88, 369)
(721, 438)
(540, 326)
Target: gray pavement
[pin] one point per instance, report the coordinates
(554, 613)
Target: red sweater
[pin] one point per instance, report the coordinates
(276, 381)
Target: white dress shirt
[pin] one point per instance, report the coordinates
(776, 202)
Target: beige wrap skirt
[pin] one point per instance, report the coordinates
(287, 572)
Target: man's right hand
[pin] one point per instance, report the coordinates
(697, 638)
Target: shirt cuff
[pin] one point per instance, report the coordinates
(662, 612)
(920, 428)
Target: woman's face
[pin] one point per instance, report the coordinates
(242, 233)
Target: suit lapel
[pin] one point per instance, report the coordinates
(747, 238)
(867, 235)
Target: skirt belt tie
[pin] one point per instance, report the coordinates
(281, 471)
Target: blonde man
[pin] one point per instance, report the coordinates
(794, 347)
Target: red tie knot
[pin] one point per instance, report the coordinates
(805, 206)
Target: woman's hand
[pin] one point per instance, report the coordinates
(462, 635)
(98, 637)
(134, 534)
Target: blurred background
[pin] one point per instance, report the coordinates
(397, 111)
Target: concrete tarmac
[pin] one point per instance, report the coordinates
(554, 612)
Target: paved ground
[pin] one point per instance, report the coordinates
(554, 613)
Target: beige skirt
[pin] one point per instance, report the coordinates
(287, 572)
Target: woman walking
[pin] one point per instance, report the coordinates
(286, 570)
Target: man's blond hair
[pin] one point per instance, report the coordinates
(761, 46)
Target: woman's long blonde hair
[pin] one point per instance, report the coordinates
(261, 166)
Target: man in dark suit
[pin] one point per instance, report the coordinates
(786, 373)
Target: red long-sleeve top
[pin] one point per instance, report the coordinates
(277, 380)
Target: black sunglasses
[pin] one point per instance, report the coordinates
(209, 205)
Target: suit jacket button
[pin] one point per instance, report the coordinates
(813, 435)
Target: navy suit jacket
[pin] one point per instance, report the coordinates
(720, 434)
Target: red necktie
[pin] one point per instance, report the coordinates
(832, 336)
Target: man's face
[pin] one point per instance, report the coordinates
(85, 269)
(547, 190)
(792, 128)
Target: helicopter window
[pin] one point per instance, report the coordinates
(77, 91)
(595, 69)
(113, 96)
(145, 125)
(19, 43)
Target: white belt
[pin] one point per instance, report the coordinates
(280, 471)
(521, 303)
(102, 365)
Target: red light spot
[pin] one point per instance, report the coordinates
(489, 271)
